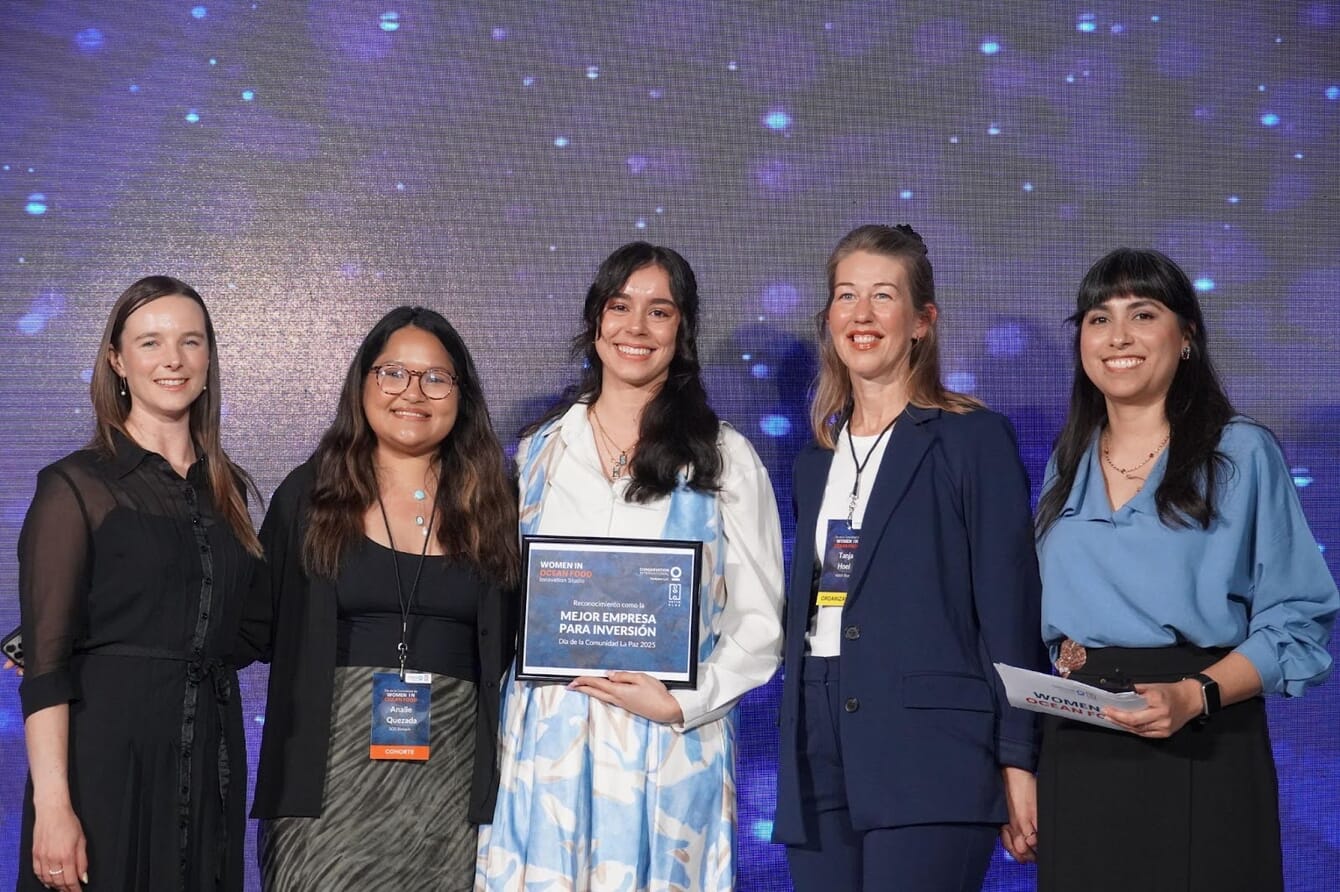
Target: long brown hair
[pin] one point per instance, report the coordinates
(475, 498)
(678, 431)
(832, 390)
(227, 482)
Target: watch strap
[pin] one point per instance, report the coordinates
(1209, 689)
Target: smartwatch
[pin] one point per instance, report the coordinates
(1209, 691)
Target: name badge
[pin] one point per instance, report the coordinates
(839, 556)
(400, 714)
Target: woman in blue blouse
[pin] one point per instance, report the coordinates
(1175, 559)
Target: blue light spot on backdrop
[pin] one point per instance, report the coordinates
(963, 382)
(1301, 477)
(993, 130)
(1087, 23)
(37, 204)
(32, 323)
(1118, 28)
(760, 370)
(640, 223)
(561, 141)
(86, 376)
(763, 830)
(528, 81)
(777, 120)
(192, 116)
(199, 12)
(134, 88)
(1333, 93)
(1270, 119)
(89, 39)
(990, 47)
(592, 72)
(636, 164)
(1028, 187)
(248, 95)
(1204, 283)
(1007, 339)
(389, 21)
(905, 195)
(499, 33)
(1233, 199)
(780, 297)
(775, 425)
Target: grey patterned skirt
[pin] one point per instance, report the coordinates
(384, 824)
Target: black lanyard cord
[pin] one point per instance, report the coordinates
(860, 464)
(402, 648)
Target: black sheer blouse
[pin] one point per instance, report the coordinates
(123, 551)
(131, 587)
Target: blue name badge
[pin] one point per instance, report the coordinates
(400, 712)
(839, 556)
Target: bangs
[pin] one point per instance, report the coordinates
(1146, 274)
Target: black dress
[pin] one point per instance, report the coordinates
(131, 588)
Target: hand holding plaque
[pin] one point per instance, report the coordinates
(593, 606)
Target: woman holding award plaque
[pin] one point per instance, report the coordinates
(618, 782)
(1175, 560)
(914, 571)
(390, 557)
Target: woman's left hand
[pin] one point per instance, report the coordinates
(636, 692)
(1168, 708)
(1020, 835)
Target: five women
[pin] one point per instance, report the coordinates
(1175, 559)
(913, 572)
(134, 560)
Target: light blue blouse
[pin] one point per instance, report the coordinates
(1254, 581)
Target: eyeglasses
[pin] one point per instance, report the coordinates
(393, 380)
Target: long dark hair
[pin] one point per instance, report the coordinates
(476, 502)
(832, 403)
(1196, 406)
(678, 430)
(228, 483)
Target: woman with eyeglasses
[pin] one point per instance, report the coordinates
(616, 783)
(134, 561)
(390, 559)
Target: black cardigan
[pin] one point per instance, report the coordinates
(290, 623)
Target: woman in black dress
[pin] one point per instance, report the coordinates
(390, 557)
(133, 561)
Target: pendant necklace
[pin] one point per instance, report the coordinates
(1129, 473)
(420, 496)
(618, 464)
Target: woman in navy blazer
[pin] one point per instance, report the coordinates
(914, 570)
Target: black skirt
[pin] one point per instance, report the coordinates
(1196, 811)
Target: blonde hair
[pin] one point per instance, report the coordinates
(832, 389)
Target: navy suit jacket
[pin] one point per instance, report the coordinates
(945, 582)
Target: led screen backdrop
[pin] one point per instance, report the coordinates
(308, 166)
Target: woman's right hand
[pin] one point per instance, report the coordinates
(60, 860)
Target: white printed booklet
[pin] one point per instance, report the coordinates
(1053, 695)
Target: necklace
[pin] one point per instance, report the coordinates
(617, 464)
(1128, 473)
(420, 496)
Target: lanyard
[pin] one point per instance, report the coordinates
(860, 464)
(402, 649)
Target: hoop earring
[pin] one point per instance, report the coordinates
(1186, 352)
(123, 386)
